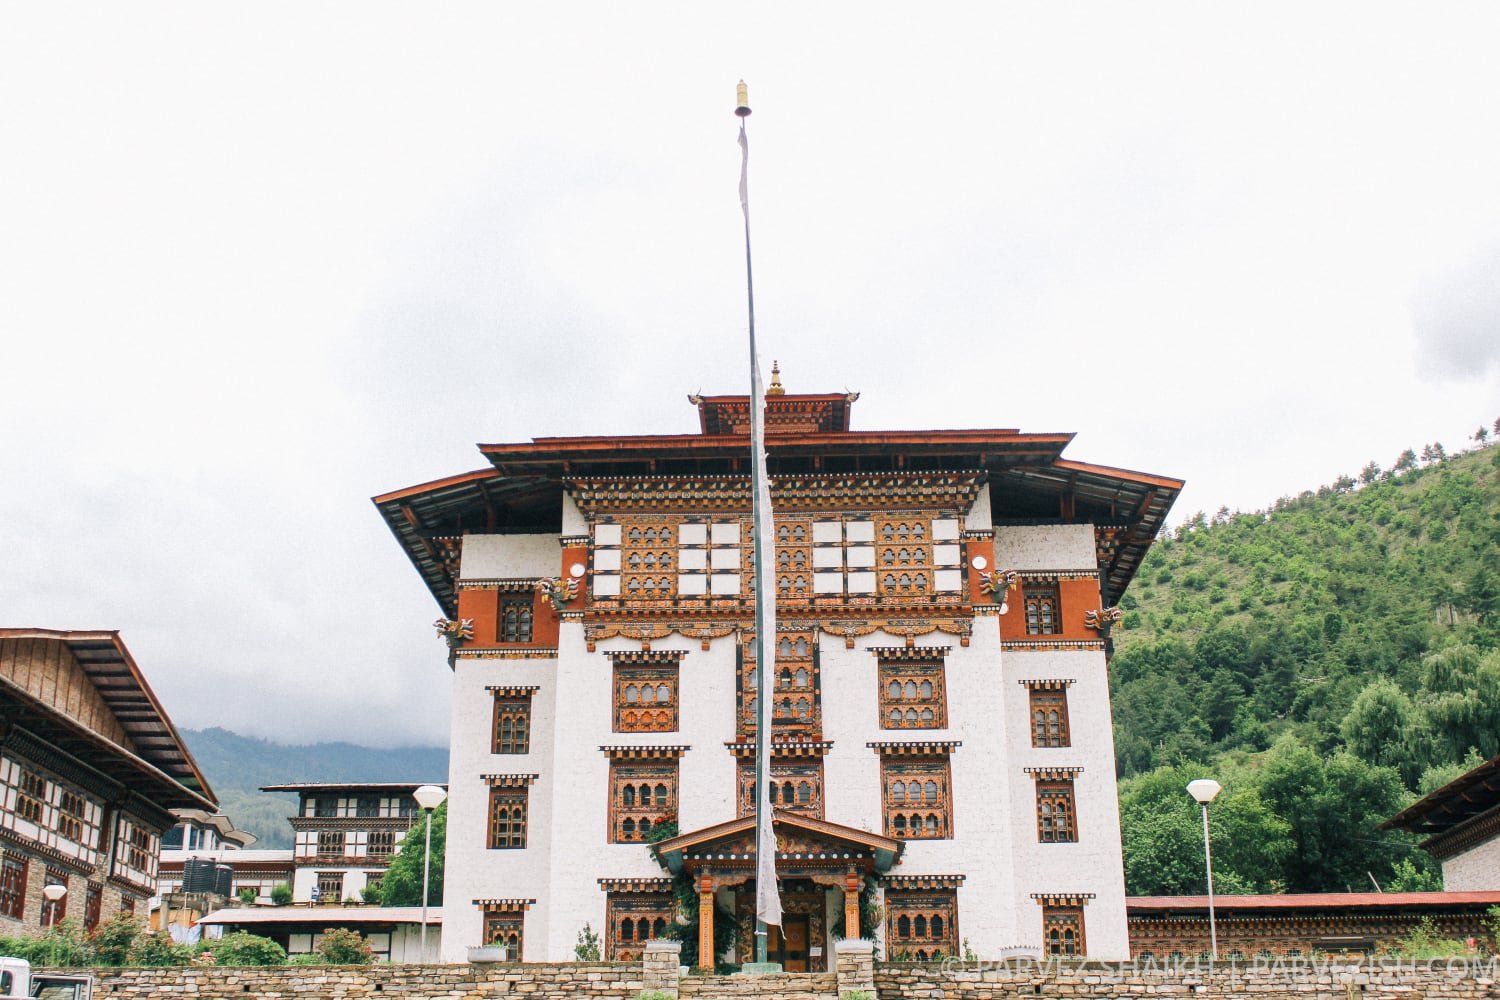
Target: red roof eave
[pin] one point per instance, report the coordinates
(1312, 900)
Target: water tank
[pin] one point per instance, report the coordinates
(198, 875)
(224, 880)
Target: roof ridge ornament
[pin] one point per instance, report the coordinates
(775, 389)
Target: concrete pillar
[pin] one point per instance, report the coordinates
(659, 966)
(855, 965)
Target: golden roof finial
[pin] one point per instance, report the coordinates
(775, 389)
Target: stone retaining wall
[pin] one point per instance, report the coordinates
(788, 986)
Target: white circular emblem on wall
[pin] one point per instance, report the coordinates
(576, 570)
(979, 562)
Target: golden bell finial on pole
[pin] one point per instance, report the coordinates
(742, 100)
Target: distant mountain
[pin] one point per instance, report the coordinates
(236, 766)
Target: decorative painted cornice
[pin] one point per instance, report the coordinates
(512, 690)
(1053, 575)
(1022, 645)
(1062, 898)
(1053, 773)
(915, 748)
(646, 655)
(509, 780)
(508, 583)
(573, 541)
(910, 652)
(506, 905)
(635, 884)
(941, 491)
(922, 881)
(783, 748)
(644, 752)
(506, 653)
(1046, 683)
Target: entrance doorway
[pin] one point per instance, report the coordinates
(788, 943)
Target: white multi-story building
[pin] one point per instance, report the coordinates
(942, 724)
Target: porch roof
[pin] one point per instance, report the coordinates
(802, 842)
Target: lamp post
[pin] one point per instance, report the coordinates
(429, 797)
(52, 892)
(1204, 790)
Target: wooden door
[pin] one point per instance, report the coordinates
(788, 943)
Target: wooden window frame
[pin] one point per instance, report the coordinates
(516, 710)
(796, 653)
(69, 815)
(381, 844)
(1042, 605)
(654, 910)
(515, 621)
(913, 674)
(507, 927)
(13, 887)
(903, 556)
(331, 878)
(911, 910)
(800, 773)
(93, 906)
(327, 836)
(31, 796)
(1056, 811)
(633, 716)
(1047, 709)
(1057, 920)
(630, 822)
(508, 832)
(935, 815)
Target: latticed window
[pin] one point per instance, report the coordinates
(634, 919)
(796, 787)
(330, 887)
(1042, 617)
(645, 698)
(1062, 930)
(796, 694)
(912, 695)
(512, 727)
(793, 559)
(918, 803)
(382, 843)
(13, 887)
(507, 818)
(643, 795)
(1049, 717)
(1056, 815)
(69, 815)
(30, 796)
(140, 849)
(904, 547)
(93, 903)
(516, 614)
(921, 926)
(507, 929)
(330, 841)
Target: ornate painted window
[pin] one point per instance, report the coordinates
(796, 786)
(93, 903)
(1062, 930)
(30, 796)
(136, 852)
(507, 821)
(635, 918)
(921, 926)
(517, 615)
(645, 697)
(1043, 616)
(506, 928)
(13, 887)
(382, 843)
(793, 569)
(511, 728)
(330, 887)
(642, 796)
(918, 802)
(330, 842)
(912, 693)
(1056, 814)
(796, 691)
(1048, 710)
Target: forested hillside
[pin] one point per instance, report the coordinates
(236, 766)
(1326, 660)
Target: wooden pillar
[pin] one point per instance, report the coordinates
(851, 906)
(706, 955)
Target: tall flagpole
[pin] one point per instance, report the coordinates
(767, 898)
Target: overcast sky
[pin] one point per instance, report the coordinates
(261, 262)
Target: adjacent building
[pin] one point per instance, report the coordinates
(1461, 821)
(941, 731)
(91, 772)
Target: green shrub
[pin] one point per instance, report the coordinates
(112, 940)
(154, 949)
(307, 958)
(241, 948)
(587, 948)
(341, 946)
(248, 895)
(281, 895)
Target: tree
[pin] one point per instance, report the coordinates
(1383, 728)
(341, 946)
(402, 885)
(1482, 435)
(1369, 473)
(1405, 461)
(1462, 700)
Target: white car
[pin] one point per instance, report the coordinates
(17, 981)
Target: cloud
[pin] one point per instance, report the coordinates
(1456, 316)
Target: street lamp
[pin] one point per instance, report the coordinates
(429, 797)
(1204, 790)
(52, 892)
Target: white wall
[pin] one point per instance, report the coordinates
(488, 557)
(1046, 546)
